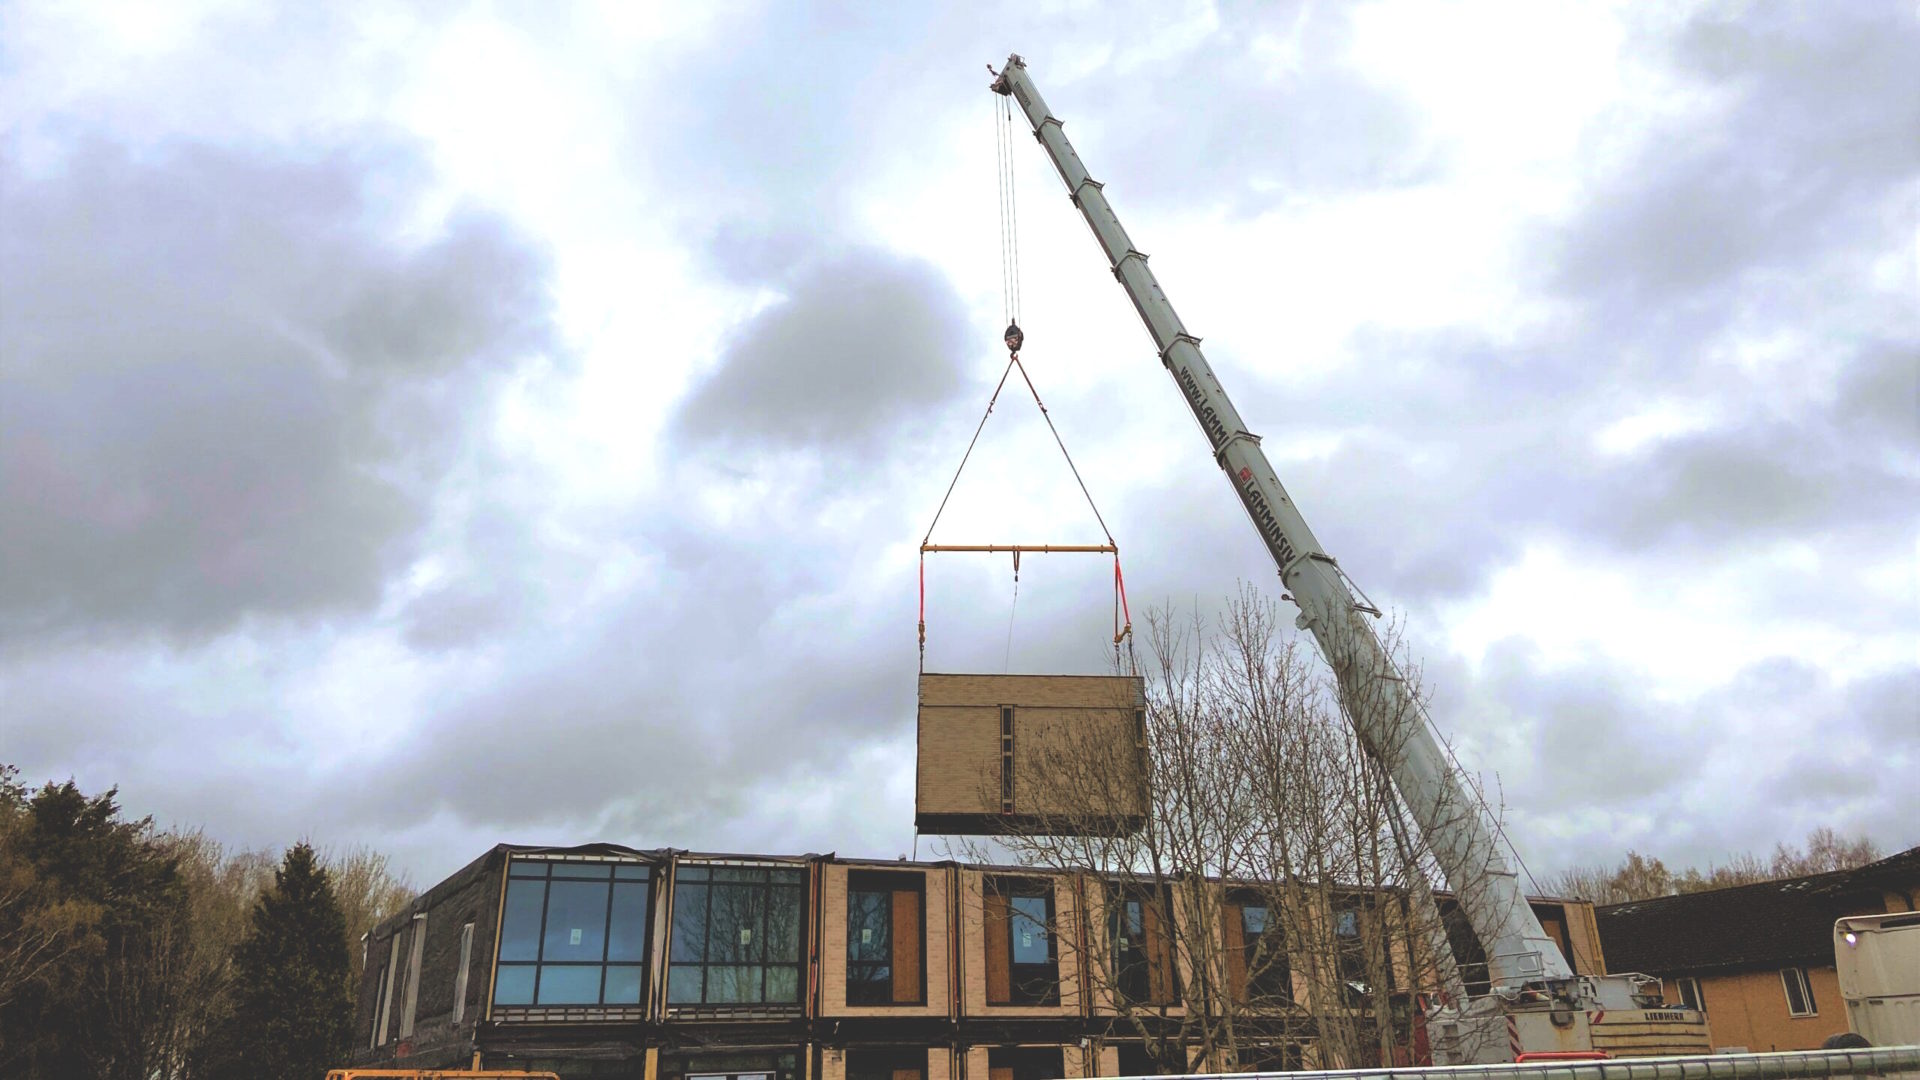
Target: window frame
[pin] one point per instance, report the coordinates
(1275, 981)
(1789, 977)
(1023, 991)
(888, 1062)
(1133, 966)
(880, 993)
(464, 973)
(383, 995)
(1691, 996)
(773, 881)
(416, 955)
(618, 872)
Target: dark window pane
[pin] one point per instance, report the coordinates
(526, 868)
(788, 877)
(869, 926)
(684, 983)
(630, 872)
(569, 985)
(869, 984)
(739, 873)
(623, 984)
(783, 926)
(628, 930)
(591, 871)
(576, 921)
(783, 984)
(1254, 919)
(1029, 929)
(1348, 924)
(690, 873)
(520, 924)
(736, 984)
(736, 923)
(513, 985)
(690, 923)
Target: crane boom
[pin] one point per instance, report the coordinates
(1389, 718)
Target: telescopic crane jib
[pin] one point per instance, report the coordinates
(1524, 964)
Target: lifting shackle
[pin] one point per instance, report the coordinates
(1013, 337)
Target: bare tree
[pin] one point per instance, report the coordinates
(1638, 877)
(1280, 898)
(368, 890)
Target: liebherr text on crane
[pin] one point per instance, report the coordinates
(1537, 1003)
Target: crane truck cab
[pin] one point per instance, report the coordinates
(1878, 960)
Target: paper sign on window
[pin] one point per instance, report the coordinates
(1026, 941)
(746, 936)
(866, 935)
(573, 936)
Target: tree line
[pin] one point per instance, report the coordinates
(1639, 877)
(130, 952)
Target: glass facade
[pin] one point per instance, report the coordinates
(736, 935)
(573, 933)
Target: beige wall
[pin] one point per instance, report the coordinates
(1750, 1009)
(833, 944)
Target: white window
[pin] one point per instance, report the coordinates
(386, 990)
(1799, 993)
(460, 978)
(1689, 990)
(413, 974)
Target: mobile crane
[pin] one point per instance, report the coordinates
(1536, 1003)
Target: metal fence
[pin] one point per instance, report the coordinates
(1887, 1061)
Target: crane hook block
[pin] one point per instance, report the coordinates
(1013, 337)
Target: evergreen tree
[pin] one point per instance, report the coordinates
(93, 930)
(292, 1011)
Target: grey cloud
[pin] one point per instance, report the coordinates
(856, 347)
(1880, 392)
(1820, 126)
(228, 384)
(1214, 121)
(1600, 764)
(1223, 121)
(1748, 483)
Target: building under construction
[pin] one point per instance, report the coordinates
(606, 961)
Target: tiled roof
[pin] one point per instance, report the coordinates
(1772, 922)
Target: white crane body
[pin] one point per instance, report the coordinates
(1524, 964)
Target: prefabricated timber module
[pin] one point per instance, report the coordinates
(1061, 755)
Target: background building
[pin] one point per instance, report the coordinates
(1758, 958)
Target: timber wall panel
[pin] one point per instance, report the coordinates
(1055, 717)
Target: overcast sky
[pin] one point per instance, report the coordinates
(441, 426)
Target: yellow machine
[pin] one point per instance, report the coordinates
(472, 1072)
